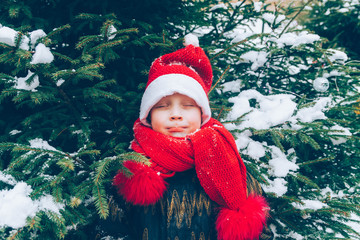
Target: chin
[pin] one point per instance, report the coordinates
(178, 134)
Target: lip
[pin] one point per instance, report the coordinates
(176, 129)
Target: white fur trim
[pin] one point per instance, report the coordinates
(191, 39)
(169, 84)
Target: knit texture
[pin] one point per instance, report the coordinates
(211, 150)
(213, 153)
(191, 61)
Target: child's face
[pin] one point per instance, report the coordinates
(176, 115)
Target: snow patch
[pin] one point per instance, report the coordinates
(42, 55)
(16, 205)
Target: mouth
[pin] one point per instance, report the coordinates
(176, 129)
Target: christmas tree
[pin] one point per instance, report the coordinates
(70, 90)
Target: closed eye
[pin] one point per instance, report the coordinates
(160, 106)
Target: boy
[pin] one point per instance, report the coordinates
(176, 132)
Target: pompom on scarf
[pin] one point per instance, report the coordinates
(213, 153)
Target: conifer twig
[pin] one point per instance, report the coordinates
(222, 75)
(238, 43)
(293, 18)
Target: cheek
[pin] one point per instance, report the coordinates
(157, 120)
(195, 118)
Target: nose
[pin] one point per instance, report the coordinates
(175, 114)
(176, 117)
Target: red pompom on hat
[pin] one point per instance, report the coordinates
(186, 71)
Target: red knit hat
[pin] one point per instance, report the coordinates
(186, 71)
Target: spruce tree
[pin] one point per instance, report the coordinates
(337, 21)
(66, 115)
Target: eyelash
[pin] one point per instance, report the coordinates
(164, 105)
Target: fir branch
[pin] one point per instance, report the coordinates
(4, 45)
(96, 93)
(60, 177)
(57, 31)
(221, 77)
(101, 169)
(101, 203)
(306, 180)
(86, 40)
(238, 43)
(90, 71)
(66, 163)
(63, 57)
(294, 17)
(62, 74)
(18, 39)
(137, 157)
(276, 137)
(59, 222)
(5, 77)
(105, 45)
(83, 189)
(127, 30)
(316, 161)
(21, 160)
(76, 114)
(307, 139)
(88, 152)
(22, 148)
(88, 16)
(104, 84)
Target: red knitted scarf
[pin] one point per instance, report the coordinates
(211, 150)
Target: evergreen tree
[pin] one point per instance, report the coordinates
(70, 94)
(338, 21)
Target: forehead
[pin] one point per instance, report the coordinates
(177, 96)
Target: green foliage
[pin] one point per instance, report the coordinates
(83, 103)
(324, 155)
(338, 21)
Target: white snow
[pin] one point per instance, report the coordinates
(280, 165)
(255, 149)
(233, 86)
(336, 140)
(277, 186)
(257, 6)
(218, 6)
(8, 36)
(14, 132)
(310, 204)
(7, 178)
(272, 18)
(295, 39)
(257, 58)
(111, 31)
(16, 205)
(60, 82)
(42, 144)
(42, 55)
(36, 35)
(313, 113)
(271, 110)
(20, 82)
(336, 55)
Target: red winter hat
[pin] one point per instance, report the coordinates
(186, 71)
